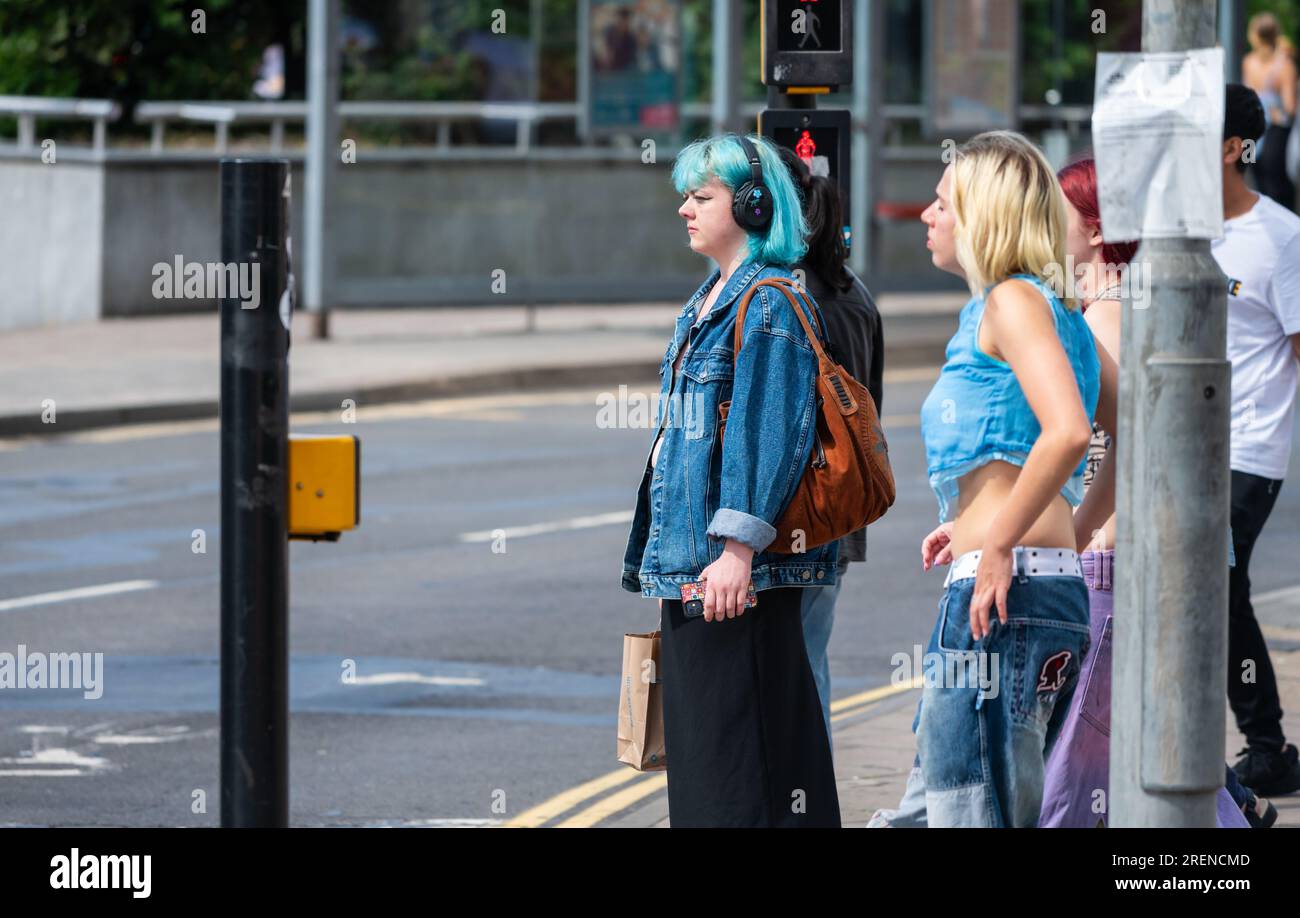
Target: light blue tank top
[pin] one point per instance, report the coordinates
(977, 413)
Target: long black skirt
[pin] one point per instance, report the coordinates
(743, 729)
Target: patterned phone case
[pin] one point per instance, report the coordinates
(693, 597)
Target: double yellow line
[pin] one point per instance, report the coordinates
(561, 803)
(654, 782)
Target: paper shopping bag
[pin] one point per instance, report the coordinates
(640, 705)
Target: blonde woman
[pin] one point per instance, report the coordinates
(1270, 70)
(1006, 427)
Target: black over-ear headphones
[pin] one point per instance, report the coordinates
(752, 203)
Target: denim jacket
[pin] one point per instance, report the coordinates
(700, 493)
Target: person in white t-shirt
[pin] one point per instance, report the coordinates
(1260, 254)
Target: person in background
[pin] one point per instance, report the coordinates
(1076, 785)
(1260, 253)
(1270, 70)
(856, 342)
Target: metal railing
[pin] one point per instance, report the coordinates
(443, 115)
(278, 114)
(28, 108)
(526, 116)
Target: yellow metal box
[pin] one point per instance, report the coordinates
(324, 486)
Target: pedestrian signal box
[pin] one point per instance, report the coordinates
(324, 486)
(821, 137)
(807, 45)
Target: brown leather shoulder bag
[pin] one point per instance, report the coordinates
(848, 482)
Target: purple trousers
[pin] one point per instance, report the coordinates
(1076, 783)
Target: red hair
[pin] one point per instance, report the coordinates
(1079, 182)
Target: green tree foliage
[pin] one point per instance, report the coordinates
(416, 54)
(133, 49)
(1060, 40)
(1286, 11)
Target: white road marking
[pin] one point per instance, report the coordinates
(394, 678)
(80, 764)
(88, 592)
(151, 736)
(1285, 594)
(577, 522)
(58, 755)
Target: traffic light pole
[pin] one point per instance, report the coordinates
(728, 39)
(868, 118)
(254, 498)
(322, 156)
(1173, 496)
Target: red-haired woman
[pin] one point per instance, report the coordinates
(1076, 786)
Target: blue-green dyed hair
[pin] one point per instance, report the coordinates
(785, 240)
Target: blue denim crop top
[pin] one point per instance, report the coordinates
(977, 413)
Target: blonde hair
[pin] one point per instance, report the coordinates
(1009, 212)
(1265, 30)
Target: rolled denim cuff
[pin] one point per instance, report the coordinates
(751, 530)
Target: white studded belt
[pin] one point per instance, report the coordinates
(1026, 560)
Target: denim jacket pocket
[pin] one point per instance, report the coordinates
(709, 378)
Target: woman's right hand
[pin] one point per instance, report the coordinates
(934, 547)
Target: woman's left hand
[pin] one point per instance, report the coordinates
(992, 580)
(727, 585)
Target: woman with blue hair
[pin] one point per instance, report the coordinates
(743, 732)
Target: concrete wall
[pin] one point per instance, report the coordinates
(424, 232)
(418, 232)
(80, 239)
(51, 250)
(154, 212)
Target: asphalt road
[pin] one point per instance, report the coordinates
(486, 680)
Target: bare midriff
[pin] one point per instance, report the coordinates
(983, 494)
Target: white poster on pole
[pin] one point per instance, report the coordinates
(1157, 133)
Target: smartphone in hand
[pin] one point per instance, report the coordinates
(693, 597)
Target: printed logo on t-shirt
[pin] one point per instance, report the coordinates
(1234, 287)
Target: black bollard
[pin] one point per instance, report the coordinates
(254, 495)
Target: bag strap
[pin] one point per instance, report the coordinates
(787, 287)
